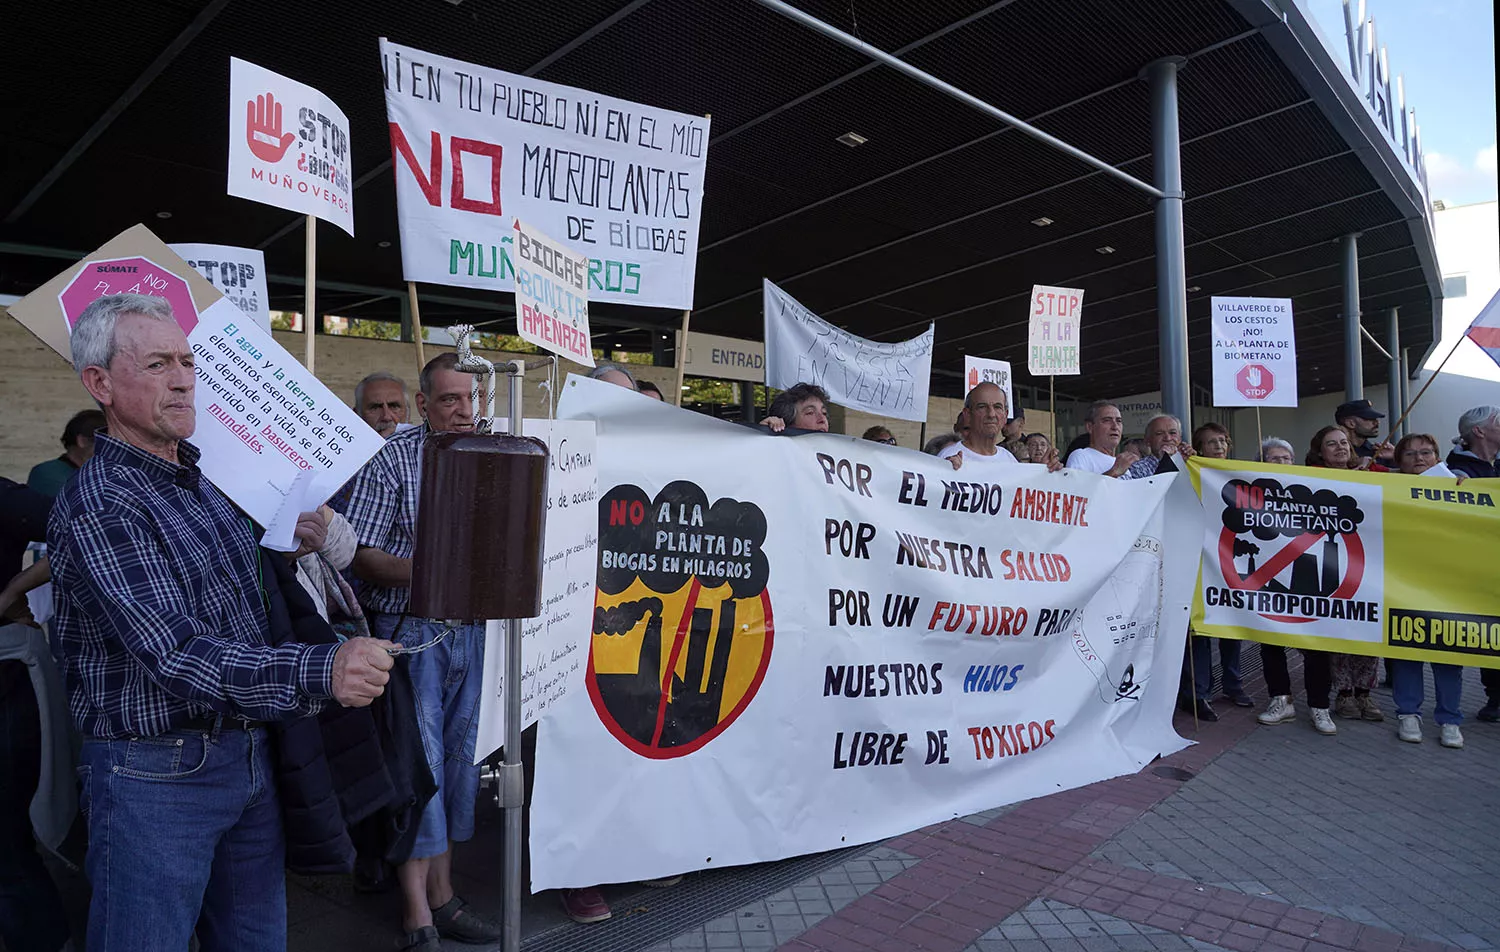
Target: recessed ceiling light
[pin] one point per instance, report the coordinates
(382, 244)
(163, 215)
(1042, 222)
(1106, 250)
(852, 139)
(1194, 287)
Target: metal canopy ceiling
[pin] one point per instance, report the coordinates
(928, 221)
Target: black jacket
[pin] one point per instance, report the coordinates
(1472, 466)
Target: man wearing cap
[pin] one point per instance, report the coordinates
(1362, 422)
(1013, 436)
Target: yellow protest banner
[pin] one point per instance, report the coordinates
(1346, 561)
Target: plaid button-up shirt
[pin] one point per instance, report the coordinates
(156, 584)
(1142, 468)
(383, 510)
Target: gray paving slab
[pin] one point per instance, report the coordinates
(1091, 932)
(1359, 825)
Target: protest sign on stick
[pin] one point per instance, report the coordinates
(1052, 337)
(978, 370)
(262, 418)
(313, 178)
(238, 273)
(1255, 352)
(552, 296)
(889, 379)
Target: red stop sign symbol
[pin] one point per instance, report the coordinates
(1255, 381)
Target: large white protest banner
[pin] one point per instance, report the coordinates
(261, 417)
(555, 644)
(475, 148)
(1255, 352)
(805, 643)
(552, 296)
(238, 273)
(268, 115)
(886, 379)
(1052, 336)
(978, 370)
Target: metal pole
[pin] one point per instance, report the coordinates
(1405, 381)
(512, 777)
(1354, 368)
(1171, 256)
(927, 79)
(1393, 370)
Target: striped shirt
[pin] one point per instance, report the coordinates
(383, 510)
(160, 620)
(1142, 468)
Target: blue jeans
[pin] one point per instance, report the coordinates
(1408, 690)
(184, 832)
(447, 679)
(1203, 665)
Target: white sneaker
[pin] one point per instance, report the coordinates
(1280, 711)
(1452, 737)
(1410, 729)
(1323, 721)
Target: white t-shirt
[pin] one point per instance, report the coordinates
(1090, 460)
(1002, 457)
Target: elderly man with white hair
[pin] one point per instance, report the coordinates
(165, 643)
(1163, 438)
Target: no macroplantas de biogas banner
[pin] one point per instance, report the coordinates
(475, 148)
(1362, 563)
(802, 643)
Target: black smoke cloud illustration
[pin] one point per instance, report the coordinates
(1294, 499)
(717, 544)
(624, 616)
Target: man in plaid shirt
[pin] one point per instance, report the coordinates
(446, 673)
(1163, 438)
(166, 650)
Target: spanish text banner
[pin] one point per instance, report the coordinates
(474, 148)
(803, 643)
(1347, 561)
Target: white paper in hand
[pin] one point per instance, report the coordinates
(281, 533)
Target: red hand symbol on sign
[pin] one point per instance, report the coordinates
(263, 129)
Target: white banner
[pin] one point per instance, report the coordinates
(269, 115)
(1255, 352)
(555, 644)
(807, 643)
(474, 148)
(884, 379)
(1052, 338)
(724, 358)
(978, 370)
(552, 296)
(238, 273)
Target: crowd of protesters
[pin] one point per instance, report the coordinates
(212, 682)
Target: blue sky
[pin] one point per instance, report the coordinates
(1446, 51)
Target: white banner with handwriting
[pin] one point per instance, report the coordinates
(803, 643)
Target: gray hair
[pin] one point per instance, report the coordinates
(1275, 443)
(939, 443)
(376, 377)
(1478, 416)
(1163, 416)
(603, 368)
(444, 361)
(93, 343)
(1096, 406)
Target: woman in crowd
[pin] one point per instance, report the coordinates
(1475, 449)
(1038, 448)
(939, 443)
(1317, 672)
(1353, 675)
(1417, 455)
(1277, 451)
(1212, 440)
(879, 434)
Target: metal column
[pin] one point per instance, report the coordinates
(1354, 368)
(1405, 386)
(1171, 262)
(1393, 344)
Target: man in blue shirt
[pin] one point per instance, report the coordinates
(171, 678)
